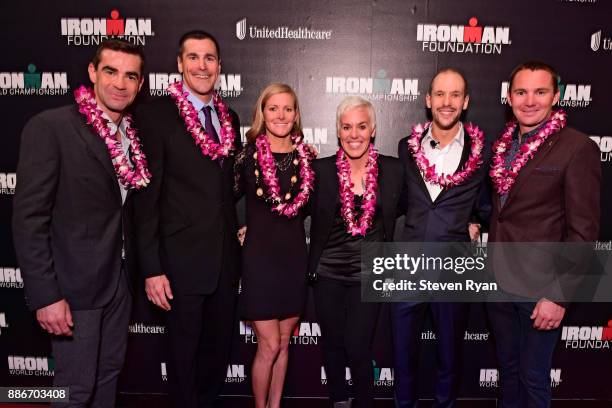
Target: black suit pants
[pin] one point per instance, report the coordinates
(200, 331)
(348, 326)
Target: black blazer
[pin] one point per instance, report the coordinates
(185, 215)
(325, 198)
(446, 218)
(67, 213)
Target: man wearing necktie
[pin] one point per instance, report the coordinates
(186, 224)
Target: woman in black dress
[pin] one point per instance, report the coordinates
(274, 173)
(355, 200)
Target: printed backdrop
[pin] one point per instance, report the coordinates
(383, 50)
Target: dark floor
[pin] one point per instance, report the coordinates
(161, 401)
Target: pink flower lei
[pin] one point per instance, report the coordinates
(207, 145)
(265, 159)
(135, 175)
(504, 178)
(429, 171)
(368, 205)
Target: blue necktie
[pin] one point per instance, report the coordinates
(208, 125)
(210, 130)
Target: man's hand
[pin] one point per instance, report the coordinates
(474, 230)
(241, 235)
(56, 318)
(547, 315)
(158, 291)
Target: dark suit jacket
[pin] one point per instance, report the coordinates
(555, 198)
(67, 213)
(445, 219)
(187, 213)
(325, 198)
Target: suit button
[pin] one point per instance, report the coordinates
(433, 206)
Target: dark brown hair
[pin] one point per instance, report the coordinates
(536, 66)
(115, 44)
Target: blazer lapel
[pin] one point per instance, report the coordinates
(331, 188)
(531, 164)
(97, 147)
(417, 177)
(387, 201)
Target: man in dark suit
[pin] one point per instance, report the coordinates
(438, 212)
(554, 198)
(70, 224)
(186, 222)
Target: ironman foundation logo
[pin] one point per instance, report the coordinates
(29, 365)
(587, 337)
(8, 181)
(10, 278)
(228, 85)
(244, 31)
(305, 333)
(570, 95)
(464, 39)
(247, 333)
(33, 82)
(605, 147)
(380, 88)
(235, 373)
(489, 377)
(92, 31)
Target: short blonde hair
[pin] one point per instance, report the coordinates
(354, 102)
(259, 126)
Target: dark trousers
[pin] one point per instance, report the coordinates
(347, 329)
(524, 355)
(449, 321)
(89, 362)
(200, 333)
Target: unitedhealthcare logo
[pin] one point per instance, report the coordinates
(279, 32)
(597, 42)
(241, 29)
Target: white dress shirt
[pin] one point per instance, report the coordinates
(125, 144)
(446, 159)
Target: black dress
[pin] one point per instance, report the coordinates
(274, 255)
